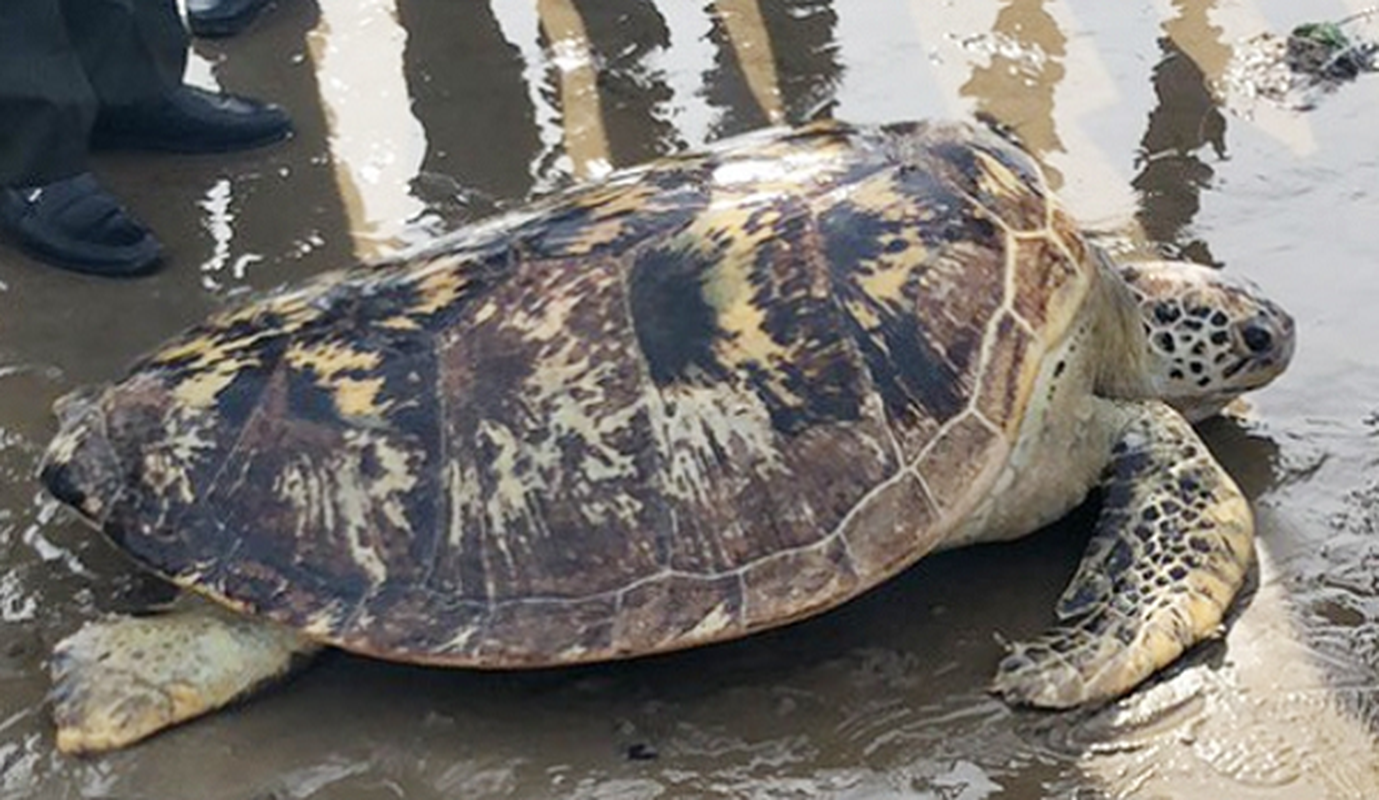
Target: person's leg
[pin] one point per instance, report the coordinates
(50, 204)
(135, 52)
(46, 104)
(77, 73)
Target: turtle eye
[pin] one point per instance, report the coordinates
(1257, 338)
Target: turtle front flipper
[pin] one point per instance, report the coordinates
(121, 679)
(1171, 549)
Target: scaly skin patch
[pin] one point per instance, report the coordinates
(122, 679)
(1210, 337)
(1171, 550)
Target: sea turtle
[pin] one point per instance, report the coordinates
(698, 399)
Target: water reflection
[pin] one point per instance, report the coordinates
(627, 38)
(743, 84)
(249, 235)
(1016, 85)
(1186, 118)
(776, 62)
(807, 56)
(571, 64)
(480, 124)
(1213, 47)
(1031, 67)
(1172, 175)
(465, 107)
(376, 143)
(580, 87)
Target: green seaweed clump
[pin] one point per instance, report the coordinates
(1324, 51)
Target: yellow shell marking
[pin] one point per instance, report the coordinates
(212, 361)
(211, 364)
(886, 280)
(165, 467)
(440, 285)
(883, 279)
(341, 498)
(996, 178)
(729, 290)
(202, 388)
(607, 208)
(353, 396)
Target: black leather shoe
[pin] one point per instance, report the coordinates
(77, 225)
(192, 120)
(222, 17)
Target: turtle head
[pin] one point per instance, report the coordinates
(1210, 337)
(79, 467)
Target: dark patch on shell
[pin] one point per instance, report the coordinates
(676, 328)
(911, 374)
(819, 380)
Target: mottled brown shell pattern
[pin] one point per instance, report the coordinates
(700, 398)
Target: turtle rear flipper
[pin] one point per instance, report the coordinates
(1171, 549)
(121, 679)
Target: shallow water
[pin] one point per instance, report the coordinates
(417, 115)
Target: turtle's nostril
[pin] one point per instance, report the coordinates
(1257, 338)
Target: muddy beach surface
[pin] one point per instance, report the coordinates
(416, 116)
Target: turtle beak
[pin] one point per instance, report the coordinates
(79, 467)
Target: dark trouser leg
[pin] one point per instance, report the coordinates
(65, 65)
(59, 59)
(46, 104)
(63, 60)
(134, 51)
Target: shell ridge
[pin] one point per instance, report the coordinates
(443, 499)
(254, 414)
(665, 541)
(848, 325)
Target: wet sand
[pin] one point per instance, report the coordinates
(417, 115)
